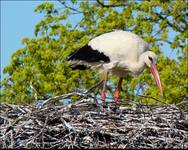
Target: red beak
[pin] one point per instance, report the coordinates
(155, 74)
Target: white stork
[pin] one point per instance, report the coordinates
(116, 53)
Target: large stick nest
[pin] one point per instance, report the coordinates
(84, 124)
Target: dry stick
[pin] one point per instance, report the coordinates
(94, 87)
(12, 139)
(145, 96)
(45, 123)
(85, 94)
(57, 98)
(181, 111)
(146, 132)
(182, 114)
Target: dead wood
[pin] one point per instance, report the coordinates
(84, 124)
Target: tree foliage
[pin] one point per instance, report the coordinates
(40, 67)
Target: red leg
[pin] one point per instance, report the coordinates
(118, 91)
(103, 95)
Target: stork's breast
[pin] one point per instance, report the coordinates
(114, 68)
(119, 72)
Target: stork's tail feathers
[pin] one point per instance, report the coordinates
(79, 67)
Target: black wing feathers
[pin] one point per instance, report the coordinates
(79, 67)
(89, 55)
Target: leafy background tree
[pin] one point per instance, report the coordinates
(40, 70)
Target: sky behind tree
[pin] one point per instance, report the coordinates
(17, 21)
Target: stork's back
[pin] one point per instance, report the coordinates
(119, 45)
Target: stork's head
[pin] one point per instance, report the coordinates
(150, 59)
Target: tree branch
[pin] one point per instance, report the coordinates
(63, 3)
(173, 25)
(78, 24)
(169, 42)
(115, 5)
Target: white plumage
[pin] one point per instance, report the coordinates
(116, 53)
(123, 48)
(118, 45)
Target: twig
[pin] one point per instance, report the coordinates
(63, 3)
(57, 98)
(115, 5)
(145, 96)
(174, 25)
(84, 125)
(94, 87)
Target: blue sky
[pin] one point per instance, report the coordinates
(18, 21)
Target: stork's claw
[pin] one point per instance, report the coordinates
(117, 100)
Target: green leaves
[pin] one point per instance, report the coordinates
(46, 8)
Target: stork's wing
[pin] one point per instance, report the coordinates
(88, 55)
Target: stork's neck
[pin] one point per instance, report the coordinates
(138, 66)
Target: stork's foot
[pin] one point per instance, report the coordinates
(117, 100)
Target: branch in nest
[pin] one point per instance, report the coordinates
(82, 125)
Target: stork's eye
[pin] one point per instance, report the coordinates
(150, 58)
